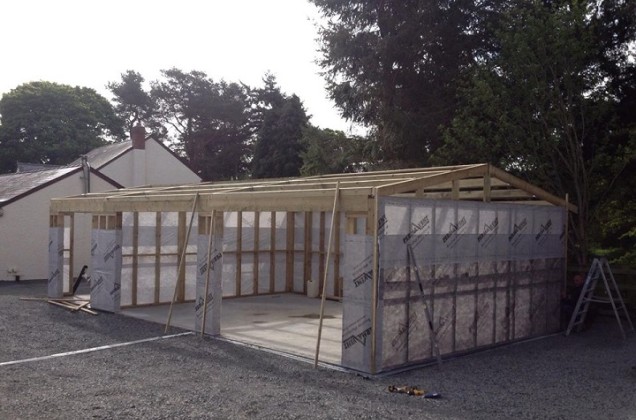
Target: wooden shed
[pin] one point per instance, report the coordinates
(486, 250)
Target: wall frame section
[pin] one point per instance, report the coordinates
(491, 274)
(106, 262)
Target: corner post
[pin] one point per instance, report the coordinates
(56, 256)
(207, 318)
(375, 283)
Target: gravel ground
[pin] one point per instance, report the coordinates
(589, 375)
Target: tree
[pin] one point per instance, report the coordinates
(544, 106)
(615, 27)
(266, 98)
(278, 148)
(329, 152)
(51, 123)
(393, 65)
(133, 104)
(617, 236)
(211, 121)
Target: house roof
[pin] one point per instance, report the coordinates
(101, 156)
(15, 185)
(34, 167)
(356, 192)
(18, 185)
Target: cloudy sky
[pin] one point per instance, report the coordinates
(90, 43)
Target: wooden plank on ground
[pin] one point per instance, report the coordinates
(64, 304)
(80, 306)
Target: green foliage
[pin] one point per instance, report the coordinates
(616, 230)
(217, 126)
(212, 121)
(330, 152)
(51, 123)
(544, 106)
(394, 66)
(134, 104)
(543, 88)
(615, 27)
(281, 121)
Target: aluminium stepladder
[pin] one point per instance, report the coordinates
(600, 269)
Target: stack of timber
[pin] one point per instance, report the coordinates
(73, 304)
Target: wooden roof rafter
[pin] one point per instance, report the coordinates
(464, 182)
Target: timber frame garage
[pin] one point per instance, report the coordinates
(478, 251)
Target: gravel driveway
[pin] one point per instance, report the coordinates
(588, 375)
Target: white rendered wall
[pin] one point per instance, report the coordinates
(24, 229)
(162, 168)
(153, 165)
(120, 170)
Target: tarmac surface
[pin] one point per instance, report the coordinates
(60, 364)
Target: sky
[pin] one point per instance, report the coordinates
(90, 43)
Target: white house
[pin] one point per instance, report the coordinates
(140, 161)
(25, 199)
(24, 214)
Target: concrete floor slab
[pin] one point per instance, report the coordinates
(284, 322)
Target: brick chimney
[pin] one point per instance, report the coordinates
(138, 136)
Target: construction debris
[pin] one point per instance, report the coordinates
(413, 390)
(73, 304)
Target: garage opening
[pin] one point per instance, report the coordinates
(272, 267)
